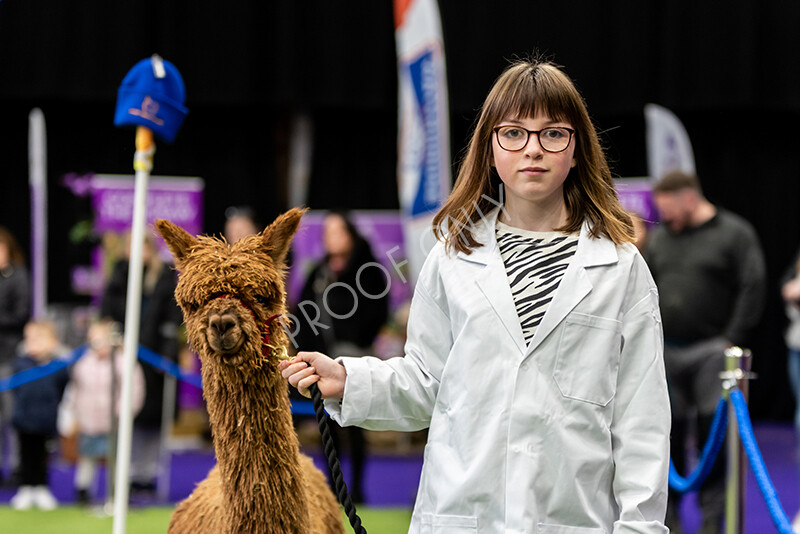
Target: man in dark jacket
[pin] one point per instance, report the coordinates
(711, 277)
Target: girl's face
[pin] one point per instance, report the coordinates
(40, 343)
(239, 227)
(532, 176)
(99, 339)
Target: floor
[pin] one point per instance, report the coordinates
(391, 480)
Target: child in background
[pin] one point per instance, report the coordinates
(91, 401)
(34, 416)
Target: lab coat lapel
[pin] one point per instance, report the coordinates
(493, 280)
(576, 283)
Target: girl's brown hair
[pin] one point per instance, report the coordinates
(525, 88)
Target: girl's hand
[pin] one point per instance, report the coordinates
(313, 367)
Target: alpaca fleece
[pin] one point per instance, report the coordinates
(261, 483)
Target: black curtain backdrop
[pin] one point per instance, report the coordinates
(729, 71)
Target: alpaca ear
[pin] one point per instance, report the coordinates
(277, 237)
(179, 241)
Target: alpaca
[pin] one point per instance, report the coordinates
(231, 296)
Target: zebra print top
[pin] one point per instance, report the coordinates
(535, 264)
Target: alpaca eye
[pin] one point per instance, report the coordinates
(192, 306)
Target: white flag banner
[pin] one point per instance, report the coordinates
(668, 145)
(423, 167)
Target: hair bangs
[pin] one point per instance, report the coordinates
(526, 91)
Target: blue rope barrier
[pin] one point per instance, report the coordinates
(168, 366)
(709, 455)
(35, 373)
(748, 439)
(303, 408)
(146, 355)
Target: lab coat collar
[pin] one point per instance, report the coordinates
(575, 285)
(591, 252)
(483, 231)
(492, 280)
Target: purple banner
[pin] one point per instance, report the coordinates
(178, 199)
(636, 195)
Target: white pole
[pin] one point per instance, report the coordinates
(37, 172)
(143, 163)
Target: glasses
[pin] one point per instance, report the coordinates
(515, 138)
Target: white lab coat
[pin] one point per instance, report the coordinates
(568, 435)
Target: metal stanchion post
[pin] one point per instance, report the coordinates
(744, 387)
(737, 372)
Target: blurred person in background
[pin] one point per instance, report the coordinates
(35, 414)
(240, 221)
(15, 310)
(351, 298)
(711, 278)
(790, 291)
(158, 331)
(641, 231)
(89, 401)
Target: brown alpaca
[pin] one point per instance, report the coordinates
(231, 296)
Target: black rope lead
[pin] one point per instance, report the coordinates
(333, 461)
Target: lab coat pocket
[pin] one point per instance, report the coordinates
(587, 358)
(543, 528)
(449, 524)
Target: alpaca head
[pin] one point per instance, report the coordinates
(233, 295)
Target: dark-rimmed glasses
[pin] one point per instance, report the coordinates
(551, 139)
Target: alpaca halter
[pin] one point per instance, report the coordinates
(280, 352)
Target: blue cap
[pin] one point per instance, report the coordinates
(152, 95)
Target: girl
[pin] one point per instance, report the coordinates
(35, 413)
(534, 352)
(91, 399)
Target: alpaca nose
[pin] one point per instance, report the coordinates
(222, 323)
